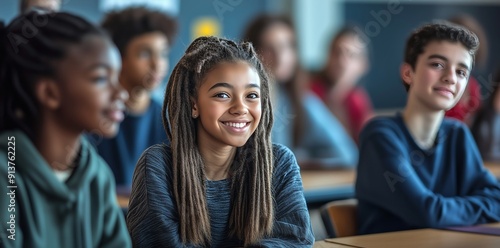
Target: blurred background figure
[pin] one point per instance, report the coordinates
(486, 126)
(470, 103)
(50, 5)
(302, 122)
(336, 84)
(143, 37)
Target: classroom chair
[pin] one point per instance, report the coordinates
(339, 218)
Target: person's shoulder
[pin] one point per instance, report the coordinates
(452, 123)
(284, 159)
(383, 128)
(382, 124)
(451, 126)
(157, 154)
(281, 151)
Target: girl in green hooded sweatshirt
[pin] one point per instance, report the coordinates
(58, 78)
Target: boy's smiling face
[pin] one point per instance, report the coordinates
(440, 75)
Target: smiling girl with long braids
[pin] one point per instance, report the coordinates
(221, 183)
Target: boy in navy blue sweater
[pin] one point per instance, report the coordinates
(418, 169)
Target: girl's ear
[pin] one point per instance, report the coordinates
(48, 93)
(194, 108)
(406, 73)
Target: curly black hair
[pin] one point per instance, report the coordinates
(125, 25)
(438, 31)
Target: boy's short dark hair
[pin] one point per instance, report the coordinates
(125, 25)
(438, 31)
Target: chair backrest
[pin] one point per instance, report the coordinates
(339, 218)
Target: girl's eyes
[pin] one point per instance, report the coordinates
(222, 95)
(225, 95)
(253, 96)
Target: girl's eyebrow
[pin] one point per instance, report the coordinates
(226, 85)
(222, 84)
(252, 86)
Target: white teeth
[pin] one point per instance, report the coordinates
(235, 124)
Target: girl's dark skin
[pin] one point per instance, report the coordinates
(85, 95)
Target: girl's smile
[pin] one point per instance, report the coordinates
(228, 105)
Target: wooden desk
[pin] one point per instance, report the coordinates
(122, 201)
(494, 167)
(427, 238)
(321, 186)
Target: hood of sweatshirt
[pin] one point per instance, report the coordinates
(30, 163)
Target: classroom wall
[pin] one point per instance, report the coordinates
(382, 81)
(231, 15)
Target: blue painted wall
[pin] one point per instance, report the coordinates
(382, 82)
(232, 14)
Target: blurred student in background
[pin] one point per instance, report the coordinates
(471, 101)
(302, 121)
(143, 38)
(336, 84)
(486, 126)
(419, 169)
(61, 82)
(49, 5)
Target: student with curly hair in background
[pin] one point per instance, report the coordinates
(143, 38)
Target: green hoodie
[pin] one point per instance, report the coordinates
(38, 210)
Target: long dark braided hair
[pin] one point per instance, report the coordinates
(252, 212)
(29, 46)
